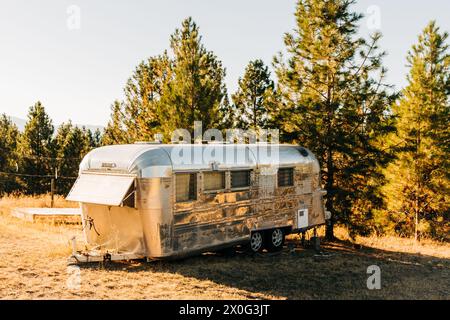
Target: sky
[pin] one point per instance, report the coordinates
(75, 56)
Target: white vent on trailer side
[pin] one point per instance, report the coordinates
(302, 218)
(110, 190)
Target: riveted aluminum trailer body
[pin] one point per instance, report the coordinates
(157, 201)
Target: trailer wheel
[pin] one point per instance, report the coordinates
(256, 242)
(274, 240)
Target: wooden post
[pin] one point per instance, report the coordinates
(52, 192)
(53, 188)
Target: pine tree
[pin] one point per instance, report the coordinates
(91, 140)
(71, 143)
(253, 97)
(139, 116)
(88, 140)
(197, 89)
(332, 103)
(418, 188)
(142, 114)
(97, 139)
(115, 131)
(8, 154)
(37, 151)
(227, 115)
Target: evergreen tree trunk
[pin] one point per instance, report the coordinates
(416, 224)
(329, 232)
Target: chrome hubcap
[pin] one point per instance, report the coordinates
(256, 241)
(277, 237)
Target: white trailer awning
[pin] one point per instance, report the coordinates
(103, 189)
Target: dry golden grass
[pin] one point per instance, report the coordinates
(33, 266)
(426, 247)
(9, 202)
(23, 201)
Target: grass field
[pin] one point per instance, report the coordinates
(33, 266)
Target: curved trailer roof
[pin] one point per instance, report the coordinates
(160, 160)
(107, 174)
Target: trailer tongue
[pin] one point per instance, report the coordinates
(78, 257)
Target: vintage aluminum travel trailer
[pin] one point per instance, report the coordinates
(158, 201)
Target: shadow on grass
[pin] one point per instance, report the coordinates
(340, 273)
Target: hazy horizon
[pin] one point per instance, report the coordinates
(78, 72)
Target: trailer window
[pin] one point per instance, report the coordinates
(213, 181)
(240, 179)
(186, 186)
(285, 177)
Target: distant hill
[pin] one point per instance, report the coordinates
(20, 123)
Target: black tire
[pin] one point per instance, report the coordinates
(256, 243)
(274, 240)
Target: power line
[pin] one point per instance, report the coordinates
(35, 175)
(26, 175)
(50, 158)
